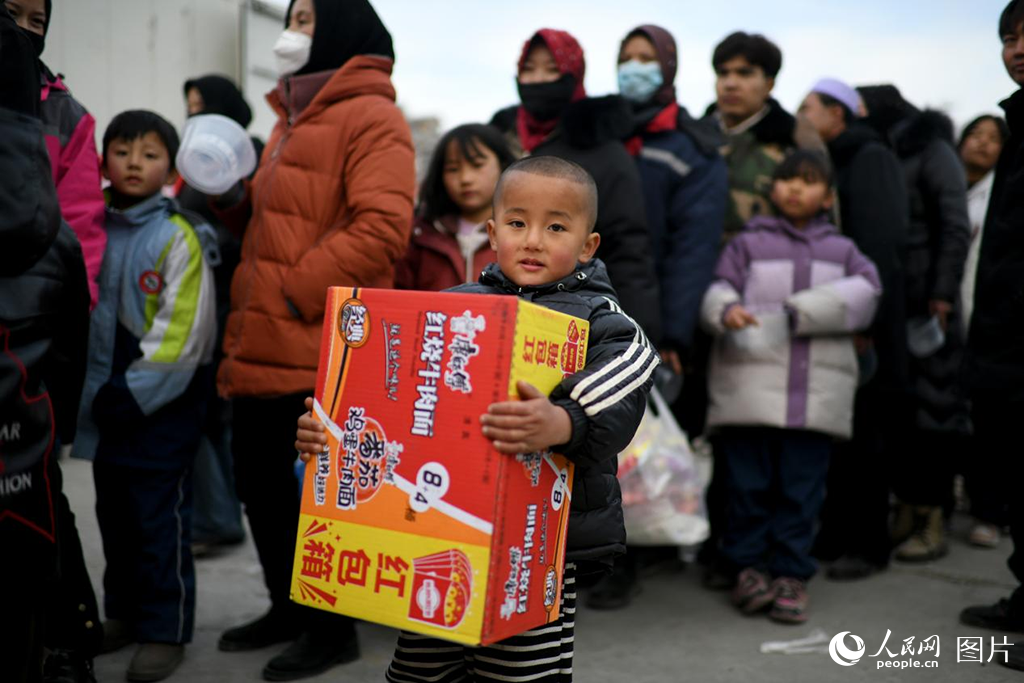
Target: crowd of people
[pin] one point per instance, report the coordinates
(840, 291)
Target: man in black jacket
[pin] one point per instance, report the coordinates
(44, 317)
(994, 367)
(874, 214)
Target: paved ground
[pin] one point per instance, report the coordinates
(676, 631)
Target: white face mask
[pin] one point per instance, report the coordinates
(292, 52)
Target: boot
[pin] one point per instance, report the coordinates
(902, 524)
(928, 542)
(66, 666)
(276, 626)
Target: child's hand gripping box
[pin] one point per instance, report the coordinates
(410, 517)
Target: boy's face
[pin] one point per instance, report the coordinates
(742, 89)
(800, 200)
(138, 168)
(541, 228)
(1013, 54)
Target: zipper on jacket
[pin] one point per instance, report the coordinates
(257, 218)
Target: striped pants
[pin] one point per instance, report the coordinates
(540, 655)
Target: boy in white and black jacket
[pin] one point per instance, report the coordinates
(544, 213)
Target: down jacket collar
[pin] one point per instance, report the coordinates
(815, 230)
(591, 275)
(306, 94)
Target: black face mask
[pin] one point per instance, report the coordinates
(38, 41)
(546, 101)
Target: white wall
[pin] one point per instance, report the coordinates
(262, 23)
(137, 54)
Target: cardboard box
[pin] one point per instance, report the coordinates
(410, 517)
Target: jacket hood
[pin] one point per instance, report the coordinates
(362, 75)
(777, 126)
(593, 121)
(29, 212)
(344, 29)
(592, 274)
(914, 133)
(816, 229)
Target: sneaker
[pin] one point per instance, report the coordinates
(984, 535)
(65, 666)
(996, 617)
(790, 604)
(752, 593)
(155, 661)
(276, 626)
(116, 635)
(310, 655)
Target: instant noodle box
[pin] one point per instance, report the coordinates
(410, 517)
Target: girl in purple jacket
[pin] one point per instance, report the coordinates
(788, 296)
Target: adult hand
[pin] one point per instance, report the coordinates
(737, 317)
(310, 438)
(940, 309)
(531, 424)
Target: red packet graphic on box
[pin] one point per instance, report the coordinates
(442, 585)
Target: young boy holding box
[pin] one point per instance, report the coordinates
(544, 214)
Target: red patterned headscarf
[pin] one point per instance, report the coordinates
(569, 56)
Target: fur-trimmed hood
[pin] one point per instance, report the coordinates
(586, 123)
(914, 133)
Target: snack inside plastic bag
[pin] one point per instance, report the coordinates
(662, 484)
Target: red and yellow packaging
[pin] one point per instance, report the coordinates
(410, 517)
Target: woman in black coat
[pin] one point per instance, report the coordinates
(556, 118)
(936, 248)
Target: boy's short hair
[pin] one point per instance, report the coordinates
(555, 167)
(1011, 18)
(809, 164)
(134, 123)
(753, 47)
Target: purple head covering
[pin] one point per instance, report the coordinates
(838, 90)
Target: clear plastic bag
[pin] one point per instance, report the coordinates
(662, 484)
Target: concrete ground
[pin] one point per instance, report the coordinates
(675, 630)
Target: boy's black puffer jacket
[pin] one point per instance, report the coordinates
(605, 400)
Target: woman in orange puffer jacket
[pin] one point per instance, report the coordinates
(331, 204)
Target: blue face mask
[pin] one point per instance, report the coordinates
(639, 81)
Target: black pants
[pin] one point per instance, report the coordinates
(263, 448)
(996, 417)
(145, 519)
(988, 487)
(22, 625)
(926, 465)
(72, 615)
(855, 517)
(775, 484)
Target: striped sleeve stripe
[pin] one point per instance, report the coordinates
(596, 408)
(624, 375)
(641, 336)
(586, 383)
